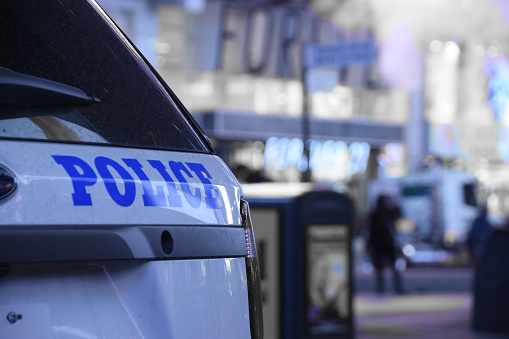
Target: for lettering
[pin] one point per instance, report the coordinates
(250, 48)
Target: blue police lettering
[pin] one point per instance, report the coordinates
(123, 191)
(211, 193)
(82, 175)
(173, 197)
(193, 199)
(103, 166)
(149, 198)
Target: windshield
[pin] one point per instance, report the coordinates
(71, 44)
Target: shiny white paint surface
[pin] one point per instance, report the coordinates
(159, 299)
(45, 189)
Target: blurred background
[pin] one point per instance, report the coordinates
(362, 97)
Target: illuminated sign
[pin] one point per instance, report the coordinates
(498, 87)
(328, 281)
(325, 156)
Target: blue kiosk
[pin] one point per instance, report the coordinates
(304, 241)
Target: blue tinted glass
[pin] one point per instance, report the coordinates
(48, 39)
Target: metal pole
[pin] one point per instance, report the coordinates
(306, 175)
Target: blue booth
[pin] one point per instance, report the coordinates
(304, 241)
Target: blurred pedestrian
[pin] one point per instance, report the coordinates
(477, 235)
(382, 246)
(491, 295)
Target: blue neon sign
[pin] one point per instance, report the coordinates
(498, 86)
(281, 153)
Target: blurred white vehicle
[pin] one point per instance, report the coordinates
(437, 209)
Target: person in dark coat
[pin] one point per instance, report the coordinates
(477, 235)
(491, 281)
(381, 241)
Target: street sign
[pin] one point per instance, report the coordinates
(340, 54)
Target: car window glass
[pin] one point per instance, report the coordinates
(47, 40)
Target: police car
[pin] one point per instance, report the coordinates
(116, 218)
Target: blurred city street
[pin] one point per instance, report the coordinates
(273, 155)
(437, 303)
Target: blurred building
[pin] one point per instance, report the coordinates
(438, 86)
(237, 67)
